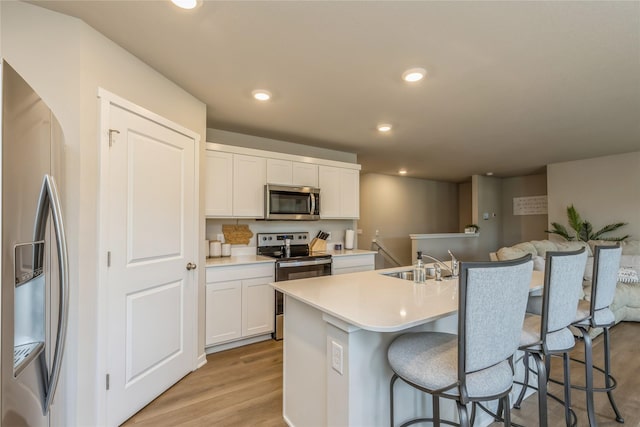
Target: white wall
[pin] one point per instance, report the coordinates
(400, 206)
(604, 190)
(522, 228)
(66, 61)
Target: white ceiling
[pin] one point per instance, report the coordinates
(511, 87)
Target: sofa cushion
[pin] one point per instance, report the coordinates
(544, 246)
(575, 245)
(629, 247)
(516, 251)
(538, 263)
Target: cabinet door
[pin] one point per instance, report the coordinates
(257, 306)
(279, 171)
(349, 193)
(218, 183)
(305, 174)
(249, 178)
(223, 312)
(329, 180)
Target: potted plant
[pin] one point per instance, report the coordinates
(583, 229)
(471, 228)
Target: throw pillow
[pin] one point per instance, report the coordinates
(628, 275)
(538, 263)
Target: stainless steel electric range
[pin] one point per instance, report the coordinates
(293, 261)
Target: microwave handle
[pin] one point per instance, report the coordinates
(313, 204)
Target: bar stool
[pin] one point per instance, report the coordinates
(476, 364)
(547, 333)
(596, 314)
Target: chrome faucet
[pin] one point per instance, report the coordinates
(454, 265)
(441, 265)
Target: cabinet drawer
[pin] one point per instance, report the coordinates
(354, 261)
(248, 271)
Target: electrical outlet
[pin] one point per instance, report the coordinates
(336, 357)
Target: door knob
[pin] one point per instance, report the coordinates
(191, 266)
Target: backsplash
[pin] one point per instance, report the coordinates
(335, 227)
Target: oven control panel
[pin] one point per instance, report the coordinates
(278, 239)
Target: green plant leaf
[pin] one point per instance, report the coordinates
(575, 221)
(606, 229)
(560, 230)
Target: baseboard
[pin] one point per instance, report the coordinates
(201, 361)
(239, 343)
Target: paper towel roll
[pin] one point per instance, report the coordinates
(215, 248)
(348, 239)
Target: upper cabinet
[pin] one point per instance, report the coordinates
(219, 184)
(236, 176)
(249, 178)
(287, 172)
(339, 192)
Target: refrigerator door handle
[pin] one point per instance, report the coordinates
(49, 200)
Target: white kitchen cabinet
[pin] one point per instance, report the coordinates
(352, 263)
(257, 317)
(286, 172)
(304, 174)
(279, 171)
(218, 184)
(239, 302)
(223, 317)
(249, 178)
(339, 192)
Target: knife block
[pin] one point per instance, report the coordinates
(318, 245)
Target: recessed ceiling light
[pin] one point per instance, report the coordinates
(414, 75)
(384, 127)
(402, 171)
(489, 173)
(261, 94)
(187, 4)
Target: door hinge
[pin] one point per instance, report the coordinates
(109, 259)
(107, 381)
(111, 136)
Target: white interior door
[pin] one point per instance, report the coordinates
(151, 235)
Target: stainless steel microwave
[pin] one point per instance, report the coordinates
(283, 202)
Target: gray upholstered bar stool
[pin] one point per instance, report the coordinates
(596, 314)
(477, 363)
(547, 333)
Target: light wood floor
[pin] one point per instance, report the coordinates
(243, 387)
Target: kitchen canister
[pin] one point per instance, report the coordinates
(215, 248)
(349, 235)
(226, 249)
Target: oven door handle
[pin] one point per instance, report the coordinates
(289, 264)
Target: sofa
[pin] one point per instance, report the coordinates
(626, 303)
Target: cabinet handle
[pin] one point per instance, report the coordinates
(191, 266)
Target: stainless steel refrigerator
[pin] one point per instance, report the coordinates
(34, 255)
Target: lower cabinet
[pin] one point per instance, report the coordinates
(352, 263)
(239, 302)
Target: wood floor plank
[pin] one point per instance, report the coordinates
(243, 387)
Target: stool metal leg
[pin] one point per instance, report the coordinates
(588, 374)
(607, 375)
(507, 410)
(525, 362)
(391, 383)
(542, 390)
(462, 413)
(567, 389)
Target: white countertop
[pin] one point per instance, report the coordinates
(375, 302)
(238, 260)
(345, 252)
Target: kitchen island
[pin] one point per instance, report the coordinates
(337, 331)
